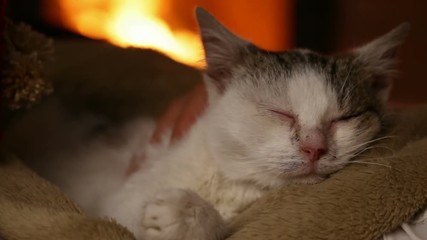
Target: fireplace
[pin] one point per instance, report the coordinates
(169, 26)
(325, 26)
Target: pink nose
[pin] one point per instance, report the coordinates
(313, 153)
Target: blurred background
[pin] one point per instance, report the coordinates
(169, 26)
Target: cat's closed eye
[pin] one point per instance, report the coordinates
(285, 115)
(349, 117)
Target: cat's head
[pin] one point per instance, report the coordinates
(293, 116)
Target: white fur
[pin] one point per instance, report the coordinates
(187, 165)
(313, 99)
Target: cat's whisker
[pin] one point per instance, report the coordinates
(354, 148)
(374, 140)
(360, 152)
(385, 147)
(384, 137)
(353, 152)
(369, 148)
(374, 147)
(377, 158)
(351, 89)
(346, 80)
(371, 163)
(361, 145)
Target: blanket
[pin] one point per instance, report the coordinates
(32, 208)
(362, 201)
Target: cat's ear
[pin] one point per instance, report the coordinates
(222, 48)
(379, 57)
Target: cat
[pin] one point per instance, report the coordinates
(273, 119)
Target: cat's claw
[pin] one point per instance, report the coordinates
(180, 214)
(161, 216)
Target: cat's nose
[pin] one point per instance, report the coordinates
(313, 153)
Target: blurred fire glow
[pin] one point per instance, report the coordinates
(131, 23)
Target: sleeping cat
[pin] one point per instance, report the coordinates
(274, 118)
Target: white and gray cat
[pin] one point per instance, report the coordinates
(274, 118)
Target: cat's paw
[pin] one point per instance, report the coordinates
(180, 214)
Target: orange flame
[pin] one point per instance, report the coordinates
(131, 23)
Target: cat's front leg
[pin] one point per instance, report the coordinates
(181, 214)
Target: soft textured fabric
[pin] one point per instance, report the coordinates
(32, 208)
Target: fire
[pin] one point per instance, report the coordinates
(131, 23)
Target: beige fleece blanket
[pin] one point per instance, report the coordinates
(32, 208)
(363, 201)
